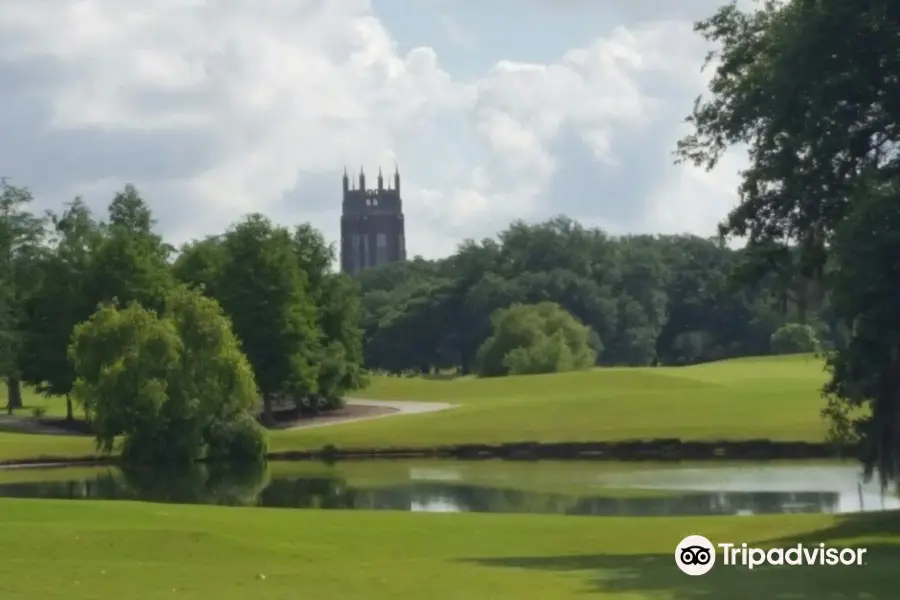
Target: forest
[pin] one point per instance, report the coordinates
(648, 300)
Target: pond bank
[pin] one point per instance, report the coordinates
(629, 450)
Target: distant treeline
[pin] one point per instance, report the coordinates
(648, 299)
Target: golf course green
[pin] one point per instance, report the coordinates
(151, 551)
(775, 398)
(99, 549)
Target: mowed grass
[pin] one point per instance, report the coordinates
(85, 550)
(20, 446)
(774, 398)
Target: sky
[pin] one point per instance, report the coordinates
(493, 110)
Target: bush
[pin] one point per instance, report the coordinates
(536, 338)
(242, 439)
(794, 338)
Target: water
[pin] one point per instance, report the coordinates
(574, 488)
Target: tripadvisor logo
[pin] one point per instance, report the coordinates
(696, 555)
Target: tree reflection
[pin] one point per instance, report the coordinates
(249, 484)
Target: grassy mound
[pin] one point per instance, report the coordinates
(774, 398)
(98, 549)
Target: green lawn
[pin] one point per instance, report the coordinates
(774, 397)
(52, 406)
(14, 446)
(87, 550)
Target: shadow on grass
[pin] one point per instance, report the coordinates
(656, 576)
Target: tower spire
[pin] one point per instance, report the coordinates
(380, 179)
(362, 179)
(396, 177)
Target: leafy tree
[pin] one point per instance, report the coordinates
(21, 234)
(794, 338)
(821, 128)
(266, 294)
(863, 397)
(199, 264)
(60, 301)
(690, 347)
(339, 320)
(131, 263)
(539, 338)
(177, 387)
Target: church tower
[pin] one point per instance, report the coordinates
(372, 228)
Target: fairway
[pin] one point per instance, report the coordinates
(774, 398)
(151, 551)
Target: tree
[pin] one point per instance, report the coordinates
(795, 338)
(60, 301)
(21, 234)
(864, 390)
(265, 292)
(338, 319)
(177, 386)
(821, 123)
(131, 263)
(539, 338)
(199, 264)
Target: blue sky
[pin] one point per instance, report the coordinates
(494, 110)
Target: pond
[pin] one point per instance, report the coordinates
(574, 488)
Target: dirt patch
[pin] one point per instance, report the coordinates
(43, 425)
(285, 417)
(75, 426)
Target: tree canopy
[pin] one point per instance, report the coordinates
(532, 339)
(811, 88)
(176, 386)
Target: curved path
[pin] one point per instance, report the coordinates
(15, 424)
(392, 408)
(383, 408)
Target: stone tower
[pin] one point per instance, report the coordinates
(372, 230)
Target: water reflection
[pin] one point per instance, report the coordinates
(250, 485)
(842, 482)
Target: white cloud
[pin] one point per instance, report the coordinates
(214, 109)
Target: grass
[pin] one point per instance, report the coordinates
(774, 398)
(85, 550)
(20, 446)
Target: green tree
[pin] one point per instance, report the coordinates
(338, 318)
(863, 397)
(21, 235)
(266, 294)
(131, 263)
(199, 264)
(60, 301)
(177, 387)
(538, 338)
(821, 128)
